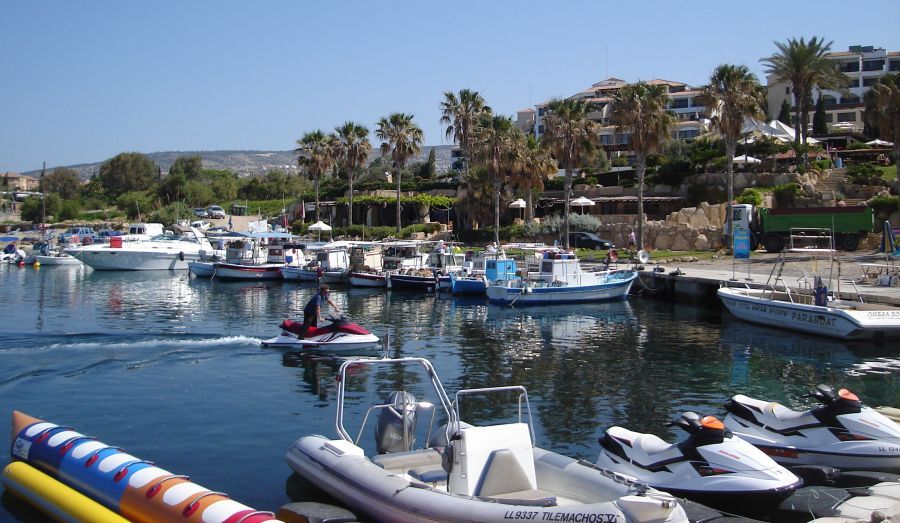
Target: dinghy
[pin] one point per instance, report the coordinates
(464, 473)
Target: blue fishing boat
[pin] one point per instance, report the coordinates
(476, 281)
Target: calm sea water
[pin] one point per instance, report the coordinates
(171, 368)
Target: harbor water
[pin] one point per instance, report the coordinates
(171, 368)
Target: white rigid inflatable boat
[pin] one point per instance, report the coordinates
(485, 474)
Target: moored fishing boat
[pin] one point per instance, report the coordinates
(464, 472)
(812, 306)
(476, 280)
(561, 280)
(258, 256)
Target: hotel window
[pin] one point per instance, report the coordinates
(869, 82)
(846, 117)
(894, 65)
(540, 129)
(850, 99)
(849, 67)
(605, 139)
(541, 111)
(854, 82)
(873, 65)
(829, 118)
(680, 103)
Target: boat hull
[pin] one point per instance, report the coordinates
(330, 343)
(365, 279)
(228, 271)
(57, 260)
(468, 286)
(114, 259)
(408, 282)
(515, 294)
(202, 269)
(749, 305)
(335, 276)
(364, 486)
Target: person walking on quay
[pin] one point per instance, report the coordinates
(312, 312)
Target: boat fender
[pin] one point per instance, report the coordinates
(181, 255)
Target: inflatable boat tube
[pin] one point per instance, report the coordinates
(137, 490)
(53, 498)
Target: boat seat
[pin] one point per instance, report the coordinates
(771, 413)
(413, 459)
(435, 476)
(493, 460)
(646, 443)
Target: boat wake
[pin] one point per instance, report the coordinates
(106, 341)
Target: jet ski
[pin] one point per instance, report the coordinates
(341, 335)
(711, 466)
(841, 432)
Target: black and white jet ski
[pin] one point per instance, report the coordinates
(339, 336)
(841, 432)
(711, 466)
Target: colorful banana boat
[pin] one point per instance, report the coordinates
(137, 490)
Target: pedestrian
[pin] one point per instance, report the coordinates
(312, 312)
(632, 241)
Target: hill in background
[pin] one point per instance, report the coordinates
(250, 163)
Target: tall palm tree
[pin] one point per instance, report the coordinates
(495, 143)
(805, 65)
(353, 148)
(460, 113)
(572, 137)
(401, 138)
(316, 154)
(641, 109)
(733, 94)
(536, 166)
(883, 109)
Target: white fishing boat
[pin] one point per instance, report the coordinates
(258, 256)
(462, 472)
(163, 252)
(812, 305)
(366, 265)
(561, 280)
(331, 264)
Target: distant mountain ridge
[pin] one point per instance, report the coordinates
(250, 163)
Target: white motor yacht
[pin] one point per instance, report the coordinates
(163, 252)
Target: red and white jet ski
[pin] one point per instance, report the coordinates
(341, 335)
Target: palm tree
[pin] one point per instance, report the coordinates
(460, 113)
(641, 109)
(401, 138)
(572, 137)
(733, 94)
(316, 150)
(537, 165)
(353, 148)
(495, 142)
(883, 109)
(805, 65)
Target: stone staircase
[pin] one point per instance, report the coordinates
(833, 182)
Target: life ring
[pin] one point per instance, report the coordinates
(613, 255)
(181, 255)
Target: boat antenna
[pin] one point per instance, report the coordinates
(43, 204)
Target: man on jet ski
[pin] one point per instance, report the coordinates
(312, 312)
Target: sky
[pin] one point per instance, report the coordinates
(83, 80)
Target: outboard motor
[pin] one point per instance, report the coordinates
(396, 428)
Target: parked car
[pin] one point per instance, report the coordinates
(588, 240)
(78, 235)
(216, 212)
(201, 212)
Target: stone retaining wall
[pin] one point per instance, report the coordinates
(691, 228)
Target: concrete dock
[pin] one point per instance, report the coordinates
(698, 281)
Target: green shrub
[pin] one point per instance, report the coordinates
(786, 195)
(821, 164)
(673, 172)
(620, 161)
(857, 146)
(865, 174)
(884, 206)
(69, 210)
(751, 196)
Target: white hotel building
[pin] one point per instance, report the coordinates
(684, 102)
(863, 66)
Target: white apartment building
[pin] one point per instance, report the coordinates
(684, 102)
(863, 66)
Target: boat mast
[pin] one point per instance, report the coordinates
(43, 204)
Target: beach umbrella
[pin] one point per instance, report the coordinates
(519, 204)
(876, 141)
(320, 226)
(582, 202)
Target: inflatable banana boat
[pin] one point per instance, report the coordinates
(111, 479)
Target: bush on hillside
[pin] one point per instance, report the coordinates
(865, 174)
(751, 196)
(884, 206)
(787, 195)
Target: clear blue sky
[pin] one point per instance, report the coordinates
(81, 81)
